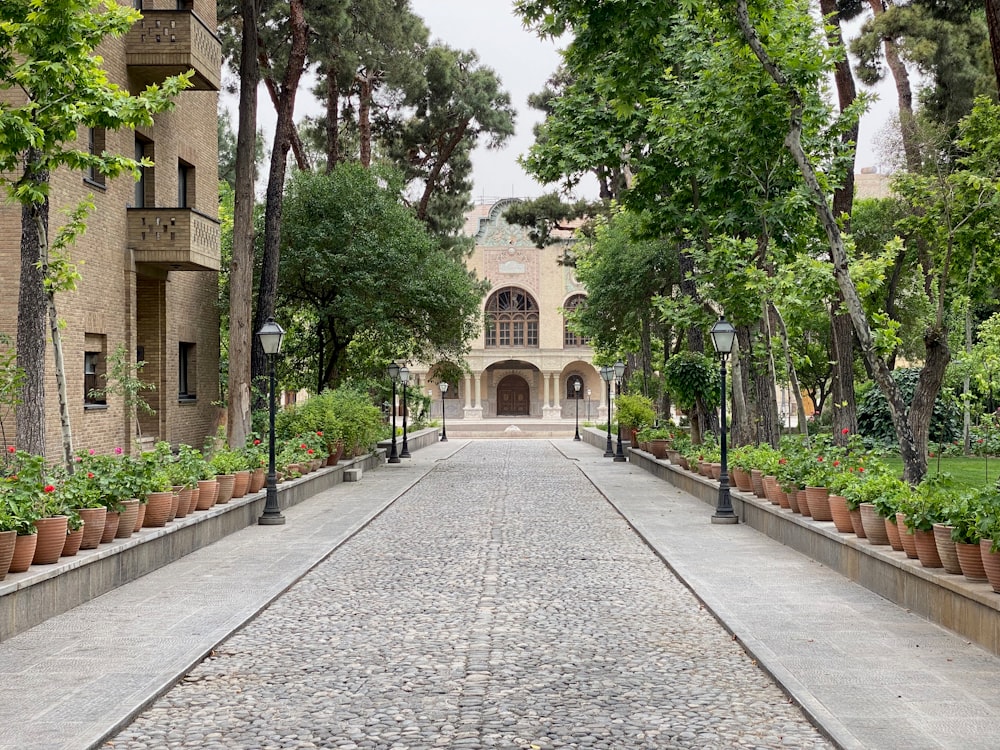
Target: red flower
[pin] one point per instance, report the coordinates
(90, 475)
(836, 463)
(844, 431)
(782, 460)
(978, 441)
(310, 451)
(256, 442)
(303, 446)
(11, 449)
(930, 453)
(49, 488)
(819, 458)
(319, 432)
(861, 468)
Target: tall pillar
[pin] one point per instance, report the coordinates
(473, 403)
(550, 411)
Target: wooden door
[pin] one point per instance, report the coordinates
(513, 397)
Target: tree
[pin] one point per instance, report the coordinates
(357, 263)
(56, 85)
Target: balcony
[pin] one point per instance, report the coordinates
(169, 42)
(174, 239)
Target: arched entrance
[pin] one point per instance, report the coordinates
(513, 397)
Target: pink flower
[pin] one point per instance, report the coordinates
(118, 450)
(91, 452)
(78, 459)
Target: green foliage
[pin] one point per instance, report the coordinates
(874, 421)
(634, 411)
(11, 381)
(690, 376)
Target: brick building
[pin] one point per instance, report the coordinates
(149, 259)
(525, 360)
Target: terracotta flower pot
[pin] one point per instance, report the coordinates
(716, 470)
(183, 501)
(819, 503)
(7, 541)
(140, 517)
(970, 557)
(856, 524)
(771, 489)
(991, 563)
(111, 519)
(207, 491)
(24, 551)
(242, 483)
(258, 477)
(841, 515)
(93, 526)
(51, 538)
(72, 544)
(792, 496)
(946, 549)
(174, 504)
(874, 525)
(906, 537)
(226, 484)
(658, 448)
(742, 479)
(892, 529)
(927, 551)
(757, 482)
(158, 509)
(126, 524)
(803, 499)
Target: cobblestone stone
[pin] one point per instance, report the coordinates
(500, 603)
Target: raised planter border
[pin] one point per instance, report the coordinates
(44, 591)
(969, 609)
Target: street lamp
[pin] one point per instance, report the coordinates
(723, 334)
(607, 374)
(619, 371)
(576, 388)
(404, 378)
(394, 377)
(588, 404)
(444, 428)
(270, 336)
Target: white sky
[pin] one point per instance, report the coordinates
(523, 63)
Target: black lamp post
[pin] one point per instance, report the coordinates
(607, 374)
(576, 389)
(619, 372)
(394, 377)
(444, 428)
(588, 404)
(404, 378)
(270, 336)
(723, 335)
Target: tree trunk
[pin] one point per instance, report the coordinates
(241, 267)
(993, 22)
(276, 181)
(332, 119)
(910, 443)
(793, 378)
(431, 184)
(741, 433)
(365, 84)
(904, 94)
(31, 313)
(66, 430)
(845, 404)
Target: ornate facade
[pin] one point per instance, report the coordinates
(525, 361)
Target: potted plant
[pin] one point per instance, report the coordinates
(634, 413)
(225, 463)
(962, 515)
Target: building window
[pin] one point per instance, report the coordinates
(185, 184)
(95, 147)
(571, 392)
(186, 372)
(94, 368)
(140, 184)
(570, 338)
(511, 319)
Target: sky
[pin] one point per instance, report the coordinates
(523, 63)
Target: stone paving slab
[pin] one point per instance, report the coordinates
(870, 673)
(69, 682)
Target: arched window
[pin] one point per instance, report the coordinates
(511, 319)
(569, 337)
(571, 391)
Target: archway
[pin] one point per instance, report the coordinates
(513, 397)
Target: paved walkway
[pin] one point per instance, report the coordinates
(499, 603)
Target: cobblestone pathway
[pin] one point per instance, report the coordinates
(501, 603)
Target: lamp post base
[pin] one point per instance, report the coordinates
(725, 519)
(278, 520)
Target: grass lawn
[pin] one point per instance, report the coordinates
(974, 471)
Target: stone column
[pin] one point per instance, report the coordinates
(473, 402)
(550, 410)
